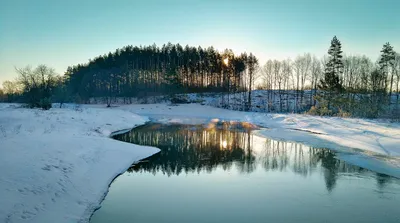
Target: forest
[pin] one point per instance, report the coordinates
(337, 84)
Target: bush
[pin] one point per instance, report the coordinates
(322, 111)
(179, 100)
(343, 114)
(313, 111)
(45, 103)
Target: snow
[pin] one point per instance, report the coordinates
(261, 100)
(57, 164)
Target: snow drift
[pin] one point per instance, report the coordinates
(57, 164)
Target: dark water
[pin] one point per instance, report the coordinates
(227, 174)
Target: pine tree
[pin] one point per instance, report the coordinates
(252, 63)
(385, 63)
(333, 68)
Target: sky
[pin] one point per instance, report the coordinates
(65, 33)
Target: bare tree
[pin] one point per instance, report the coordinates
(252, 64)
(298, 66)
(11, 89)
(316, 72)
(302, 67)
(396, 70)
(37, 85)
(2, 95)
(307, 61)
(286, 73)
(277, 71)
(268, 77)
(366, 68)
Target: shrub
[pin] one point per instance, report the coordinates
(313, 111)
(343, 114)
(179, 100)
(45, 103)
(322, 111)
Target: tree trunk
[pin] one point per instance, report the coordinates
(390, 91)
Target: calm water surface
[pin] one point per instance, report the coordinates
(223, 173)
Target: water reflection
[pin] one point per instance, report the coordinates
(224, 173)
(198, 149)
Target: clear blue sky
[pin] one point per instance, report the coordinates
(63, 33)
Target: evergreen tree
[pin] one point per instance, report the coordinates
(333, 68)
(252, 64)
(386, 63)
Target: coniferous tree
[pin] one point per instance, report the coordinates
(386, 63)
(252, 64)
(333, 69)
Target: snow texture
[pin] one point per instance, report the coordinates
(56, 165)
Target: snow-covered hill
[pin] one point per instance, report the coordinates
(56, 165)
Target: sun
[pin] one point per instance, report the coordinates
(224, 144)
(226, 61)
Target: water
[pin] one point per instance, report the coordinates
(224, 173)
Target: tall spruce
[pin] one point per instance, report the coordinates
(386, 63)
(252, 64)
(333, 68)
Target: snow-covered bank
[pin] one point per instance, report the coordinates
(371, 144)
(56, 165)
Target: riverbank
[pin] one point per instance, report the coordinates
(56, 165)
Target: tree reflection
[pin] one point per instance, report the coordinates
(191, 149)
(201, 149)
(382, 180)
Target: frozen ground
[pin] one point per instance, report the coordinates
(56, 165)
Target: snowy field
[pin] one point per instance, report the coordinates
(57, 164)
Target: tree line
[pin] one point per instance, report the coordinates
(152, 71)
(334, 84)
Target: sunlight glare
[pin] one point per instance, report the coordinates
(224, 144)
(226, 61)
